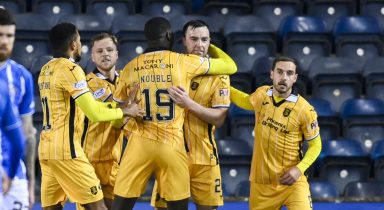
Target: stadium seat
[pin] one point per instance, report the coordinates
(275, 11)
(226, 9)
(364, 191)
(130, 32)
(374, 78)
(377, 156)
(358, 38)
(234, 151)
(323, 191)
(248, 38)
(343, 161)
(374, 9)
(331, 10)
(28, 28)
(24, 51)
(242, 81)
(88, 25)
(232, 175)
(168, 8)
(110, 9)
(55, 9)
(363, 120)
(261, 70)
(304, 38)
(242, 189)
(215, 29)
(329, 121)
(242, 123)
(14, 6)
(335, 79)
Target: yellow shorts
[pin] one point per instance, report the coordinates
(106, 171)
(74, 178)
(205, 183)
(144, 157)
(273, 197)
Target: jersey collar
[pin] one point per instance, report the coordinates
(101, 76)
(291, 98)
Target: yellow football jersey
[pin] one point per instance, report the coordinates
(100, 140)
(208, 91)
(279, 131)
(60, 82)
(155, 72)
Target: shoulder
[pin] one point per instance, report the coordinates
(19, 69)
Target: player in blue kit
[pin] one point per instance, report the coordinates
(10, 127)
(19, 85)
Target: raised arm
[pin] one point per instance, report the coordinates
(241, 99)
(220, 62)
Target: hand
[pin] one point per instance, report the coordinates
(31, 191)
(132, 96)
(179, 96)
(290, 176)
(133, 110)
(7, 182)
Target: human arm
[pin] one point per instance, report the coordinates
(220, 62)
(294, 173)
(241, 99)
(30, 154)
(214, 116)
(98, 111)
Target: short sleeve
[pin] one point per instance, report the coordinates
(27, 104)
(74, 81)
(309, 124)
(221, 97)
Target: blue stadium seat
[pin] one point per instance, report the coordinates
(335, 79)
(14, 6)
(215, 29)
(371, 191)
(377, 156)
(304, 38)
(169, 8)
(55, 9)
(242, 123)
(323, 191)
(88, 25)
(358, 38)
(24, 51)
(248, 38)
(110, 9)
(243, 189)
(363, 120)
(234, 151)
(374, 78)
(275, 11)
(373, 8)
(343, 161)
(130, 32)
(226, 9)
(28, 28)
(331, 10)
(329, 121)
(232, 175)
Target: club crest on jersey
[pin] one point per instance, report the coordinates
(94, 190)
(286, 112)
(80, 85)
(194, 85)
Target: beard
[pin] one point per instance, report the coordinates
(5, 56)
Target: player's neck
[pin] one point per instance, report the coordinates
(109, 74)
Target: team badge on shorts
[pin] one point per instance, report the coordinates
(286, 112)
(194, 85)
(94, 190)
